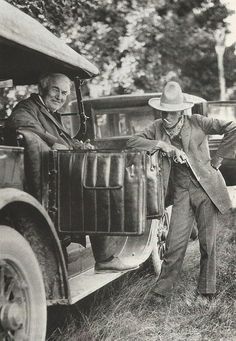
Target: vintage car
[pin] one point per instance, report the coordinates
(49, 198)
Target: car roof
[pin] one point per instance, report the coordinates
(133, 100)
(28, 49)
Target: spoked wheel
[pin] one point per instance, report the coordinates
(23, 313)
(159, 243)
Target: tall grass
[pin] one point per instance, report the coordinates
(125, 311)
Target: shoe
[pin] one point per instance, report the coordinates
(208, 297)
(115, 265)
(158, 298)
(204, 299)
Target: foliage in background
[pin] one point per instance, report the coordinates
(139, 45)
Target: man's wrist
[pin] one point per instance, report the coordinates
(161, 145)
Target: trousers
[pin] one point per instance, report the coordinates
(106, 247)
(190, 200)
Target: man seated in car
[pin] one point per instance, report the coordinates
(39, 114)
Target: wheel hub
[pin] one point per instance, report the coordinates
(11, 316)
(22, 296)
(13, 301)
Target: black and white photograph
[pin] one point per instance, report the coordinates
(118, 170)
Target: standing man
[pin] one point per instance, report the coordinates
(39, 114)
(199, 189)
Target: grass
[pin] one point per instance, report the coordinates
(124, 310)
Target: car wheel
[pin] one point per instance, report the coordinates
(159, 243)
(23, 313)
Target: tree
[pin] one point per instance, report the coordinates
(177, 42)
(138, 44)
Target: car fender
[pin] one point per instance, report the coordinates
(10, 196)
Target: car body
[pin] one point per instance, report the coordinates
(223, 110)
(44, 194)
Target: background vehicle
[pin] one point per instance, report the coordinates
(42, 205)
(223, 110)
(114, 119)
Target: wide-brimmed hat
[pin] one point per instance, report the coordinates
(172, 99)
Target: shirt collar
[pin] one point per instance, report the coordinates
(175, 131)
(40, 98)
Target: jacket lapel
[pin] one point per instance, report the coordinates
(185, 134)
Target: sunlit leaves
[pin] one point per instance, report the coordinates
(139, 44)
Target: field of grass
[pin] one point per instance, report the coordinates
(124, 310)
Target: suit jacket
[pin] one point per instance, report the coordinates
(31, 114)
(194, 134)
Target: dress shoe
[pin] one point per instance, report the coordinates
(204, 299)
(114, 265)
(155, 297)
(208, 297)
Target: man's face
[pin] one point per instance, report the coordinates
(170, 118)
(56, 93)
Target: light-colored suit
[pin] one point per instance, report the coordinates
(200, 198)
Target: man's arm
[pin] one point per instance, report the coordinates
(146, 140)
(227, 147)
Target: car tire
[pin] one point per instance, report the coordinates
(159, 243)
(23, 311)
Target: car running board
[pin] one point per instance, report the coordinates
(88, 282)
(135, 251)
